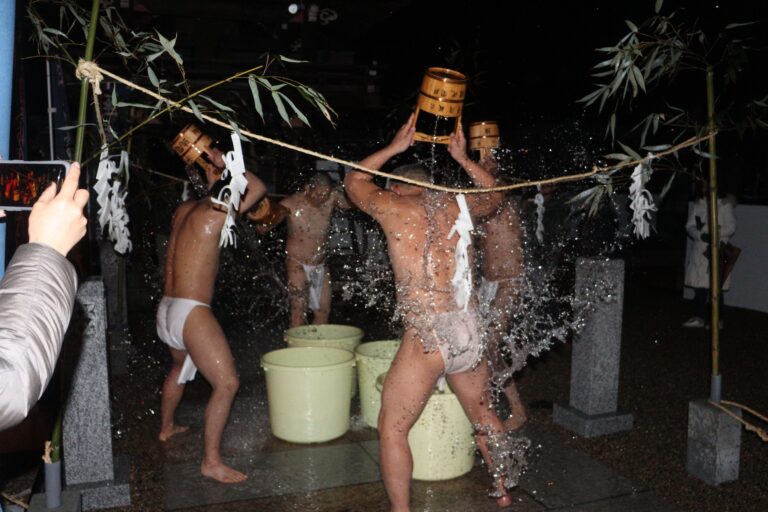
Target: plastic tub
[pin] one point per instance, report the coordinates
(442, 439)
(307, 392)
(346, 337)
(373, 358)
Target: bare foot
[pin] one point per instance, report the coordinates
(222, 473)
(166, 433)
(505, 501)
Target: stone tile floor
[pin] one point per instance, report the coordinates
(345, 477)
(663, 366)
(343, 474)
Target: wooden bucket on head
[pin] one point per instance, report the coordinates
(191, 144)
(483, 137)
(441, 95)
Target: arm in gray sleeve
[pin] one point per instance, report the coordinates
(37, 296)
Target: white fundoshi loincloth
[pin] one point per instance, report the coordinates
(315, 275)
(172, 314)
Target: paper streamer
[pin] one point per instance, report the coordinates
(462, 277)
(229, 196)
(641, 200)
(110, 195)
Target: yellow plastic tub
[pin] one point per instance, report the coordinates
(373, 358)
(442, 439)
(308, 392)
(346, 337)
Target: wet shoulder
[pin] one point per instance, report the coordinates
(405, 212)
(206, 219)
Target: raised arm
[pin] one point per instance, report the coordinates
(361, 189)
(479, 204)
(253, 193)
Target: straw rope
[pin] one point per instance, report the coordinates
(14, 500)
(747, 425)
(95, 74)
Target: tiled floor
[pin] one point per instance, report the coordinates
(343, 475)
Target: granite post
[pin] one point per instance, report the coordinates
(113, 275)
(89, 466)
(596, 353)
(714, 443)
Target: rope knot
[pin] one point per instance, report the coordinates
(90, 70)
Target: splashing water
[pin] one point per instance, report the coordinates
(545, 310)
(508, 459)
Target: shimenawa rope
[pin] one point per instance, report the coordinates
(747, 425)
(94, 74)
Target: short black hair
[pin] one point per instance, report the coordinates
(319, 179)
(413, 171)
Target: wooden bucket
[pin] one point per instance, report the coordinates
(483, 137)
(191, 144)
(267, 214)
(441, 96)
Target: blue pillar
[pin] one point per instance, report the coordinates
(7, 25)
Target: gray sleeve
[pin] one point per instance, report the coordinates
(36, 300)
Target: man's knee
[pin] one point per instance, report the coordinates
(229, 384)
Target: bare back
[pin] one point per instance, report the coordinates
(501, 242)
(422, 256)
(192, 260)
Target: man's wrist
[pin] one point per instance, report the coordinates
(464, 161)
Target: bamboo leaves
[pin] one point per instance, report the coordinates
(283, 102)
(256, 98)
(151, 57)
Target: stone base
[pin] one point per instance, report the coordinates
(109, 493)
(587, 425)
(714, 443)
(70, 502)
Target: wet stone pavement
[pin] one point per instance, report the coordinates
(343, 474)
(663, 366)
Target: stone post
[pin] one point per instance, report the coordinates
(714, 443)
(113, 274)
(87, 427)
(596, 354)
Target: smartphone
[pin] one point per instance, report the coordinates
(22, 181)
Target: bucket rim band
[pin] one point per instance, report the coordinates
(320, 327)
(438, 98)
(452, 75)
(390, 343)
(349, 361)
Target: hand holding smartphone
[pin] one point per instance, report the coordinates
(57, 220)
(23, 182)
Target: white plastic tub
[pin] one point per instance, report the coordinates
(373, 358)
(346, 337)
(308, 392)
(442, 439)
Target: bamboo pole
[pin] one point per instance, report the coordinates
(714, 245)
(80, 136)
